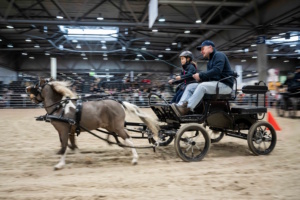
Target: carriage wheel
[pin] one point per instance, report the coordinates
(261, 138)
(165, 140)
(215, 136)
(280, 107)
(192, 142)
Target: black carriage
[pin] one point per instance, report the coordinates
(288, 104)
(216, 116)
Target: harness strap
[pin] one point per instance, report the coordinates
(78, 115)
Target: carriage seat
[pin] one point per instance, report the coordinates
(248, 109)
(217, 97)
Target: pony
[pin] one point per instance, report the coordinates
(108, 114)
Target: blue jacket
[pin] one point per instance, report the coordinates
(187, 71)
(218, 68)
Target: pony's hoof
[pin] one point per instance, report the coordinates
(58, 167)
(134, 162)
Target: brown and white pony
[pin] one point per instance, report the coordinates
(107, 114)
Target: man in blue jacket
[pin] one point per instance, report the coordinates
(218, 68)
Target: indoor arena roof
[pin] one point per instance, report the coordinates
(121, 28)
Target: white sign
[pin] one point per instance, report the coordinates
(153, 12)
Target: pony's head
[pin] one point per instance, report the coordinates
(38, 92)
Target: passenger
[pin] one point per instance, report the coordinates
(189, 67)
(218, 67)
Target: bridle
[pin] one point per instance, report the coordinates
(37, 91)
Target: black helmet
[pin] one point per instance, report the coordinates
(187, 54)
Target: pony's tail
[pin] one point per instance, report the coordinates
(149, 121)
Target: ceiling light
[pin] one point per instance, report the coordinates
(144, 48)
(293, 45)
(273, 57)
(61, 47)
(161, 19)
(9, 26)
(10, 46)
(167, 49)
(198, 21)
(47, 54)
(243, 60)
(103, 41)
(123, 48)
(156, 59)
(28, 40)
(0, 40)
(147, 43)
(105, 58)
(84, 58)
(103, 47)
(246, 50)
(137, 59)
(253, 45)
(83, 54)
(160, 55)
(286, 61)
(275, 50)
(139, 55)
(74, 41)
(78, 46)
(24, 54)
(297, 51)
(31, 57)
(59, 17)
(298, 58)
(105, 54)
(281, 34)
(174, 43)
(45, 29)
(154, 30)
(187, 31)
(37, 46)
(254, 57)
(100, 17)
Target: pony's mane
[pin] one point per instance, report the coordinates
(61, 87)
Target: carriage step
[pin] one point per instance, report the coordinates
(191, 118)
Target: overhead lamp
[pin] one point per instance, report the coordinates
(293, 45)
(37, 46)
(59, 16)
(286, 61)
(100, 17)
(136, 59)
(246, 50)
(0, 40)
(104, 54)
(74, 41)
(139, 55)
(174, 43)
(103, 41)
(254, 57)
(275, 50)
(61, 47)
(273, 57)
(198, 21)
(103, 47)
(161, 19)
(78, 46)
(167, 49)
(9, 26)
(84, 58)
(45, 29)
(144, 48)
(281, 34)
(298, 58)
(10, 46)
(24, 54)
(31, 57)
(47, 54)
(243, 60)
(123, 48)
(160, 55)
(156, 59)
(83, 54)
(105, 58)
(154, 30)
(187, 31)
(28, 40)
(147, 43)
(253, 45)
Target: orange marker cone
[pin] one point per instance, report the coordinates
(272, 121)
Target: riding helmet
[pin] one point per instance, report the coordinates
(187, 54)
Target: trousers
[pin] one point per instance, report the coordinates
(194, 92)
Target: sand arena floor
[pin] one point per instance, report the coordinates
(99, 171)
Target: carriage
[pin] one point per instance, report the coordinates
(289, 102)
(193, 133)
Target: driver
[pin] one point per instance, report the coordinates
(218, 67)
